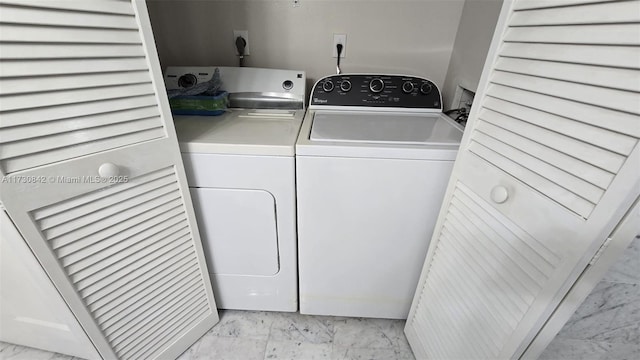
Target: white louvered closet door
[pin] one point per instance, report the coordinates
(548, 166)
(80, 90)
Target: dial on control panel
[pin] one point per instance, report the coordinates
(345, 85)
(376, 85)
(327, 86)
(426, 88)
(407, 87)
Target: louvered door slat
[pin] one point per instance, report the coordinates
(463, 297)
(81, 210)
(482, 337)
(174, 245)
(84, 81)
(149, 320)
(620, 12)
(552, 190)
(591, 174)
(122, 286)
(558, 176)
(22, 101)
(113, 319)
(446, 307)
(527, 252)
(581, 150)
(169, 320)
(80, 7)
(542, 4)
(50, 128)
(508, 298)
(41, 115)
(484, 308)
(35, 16)
(618, 56)
(549, 163)
(60, 209)
(76, 243)
(486, 296)
(612, 141)
(55, 155)
(114, 213)
(617, 121)
(124, 266)
(92, 245)
(135, 250)
(31, 51)
(40, 144)
(151, 262)
(141, 285)
(496, 313)
(626, 34)
(521, 285)
(99, 260)
(621, 79)
(615, 99)
(181, 323)
(15, 68)
(53, 34)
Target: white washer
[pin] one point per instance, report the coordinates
(241, 173)
(373, 160)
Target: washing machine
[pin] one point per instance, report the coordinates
(373, 160)
(241, 173)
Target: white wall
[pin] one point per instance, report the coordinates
(415, 37)
(477, 24)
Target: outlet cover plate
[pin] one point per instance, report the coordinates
(245, 36)
(339, 39)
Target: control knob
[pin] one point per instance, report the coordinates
(327, 86)
(345, 85)
(426, 88)
(187, 80)
(376, 85)
(407, 87)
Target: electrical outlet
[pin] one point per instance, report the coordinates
(245, 35)
(339, 39)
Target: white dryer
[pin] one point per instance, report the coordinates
(373, 160)
(241, 173)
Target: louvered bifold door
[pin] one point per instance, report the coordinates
(548, 165)
(93, 177)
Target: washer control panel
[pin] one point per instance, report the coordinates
(376, 91)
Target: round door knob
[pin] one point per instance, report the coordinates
(499, 194)
(108, 170)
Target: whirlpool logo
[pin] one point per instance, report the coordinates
(321, 101)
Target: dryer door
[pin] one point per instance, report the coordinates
(238, 229)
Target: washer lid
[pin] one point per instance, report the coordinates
(386, 128)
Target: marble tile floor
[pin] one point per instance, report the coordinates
(607, 323)
(248, 335)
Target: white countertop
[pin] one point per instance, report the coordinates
(242, 132)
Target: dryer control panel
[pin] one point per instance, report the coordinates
(371, 90)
